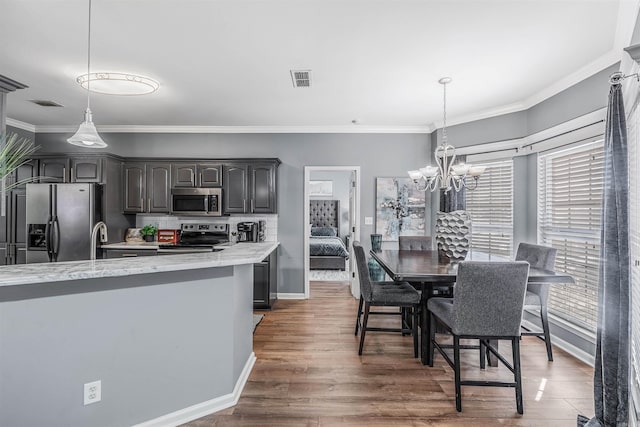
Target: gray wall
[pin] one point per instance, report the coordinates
(376, 154)
(341, 181)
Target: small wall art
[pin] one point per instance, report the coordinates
(321, 188)
(400, 208)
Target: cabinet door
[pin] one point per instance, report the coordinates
(183, 175)
(261, 285)
(19, 217)
(158, 187)
(20, 254)
(5, 221)
(4, 248)
(134, 175)
(209, 175)
(263, 189)
(234, 192)
(27, 171)
(54, 170)
(86, 170)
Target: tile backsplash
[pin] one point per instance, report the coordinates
(174, 222)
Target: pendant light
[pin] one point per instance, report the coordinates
(87, 134)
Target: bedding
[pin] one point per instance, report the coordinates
(327, 246)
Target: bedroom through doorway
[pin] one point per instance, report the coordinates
(331, 224)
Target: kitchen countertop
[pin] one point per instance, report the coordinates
(236, 254)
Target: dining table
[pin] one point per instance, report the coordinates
(429, 273)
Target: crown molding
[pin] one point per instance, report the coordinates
(243, 129)
(21, 125)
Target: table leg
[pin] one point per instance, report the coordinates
(491, 358)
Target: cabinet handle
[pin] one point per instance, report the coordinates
(64, 174)
(142, 204)
(252, 200)
(244, 205)
(149, 204)
(200, 182)
(129, 255)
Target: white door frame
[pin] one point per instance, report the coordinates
(355, 284)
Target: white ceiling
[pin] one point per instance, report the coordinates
(226, 63)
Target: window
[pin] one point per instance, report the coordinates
(633, 140)
(569, 207)
(491, 208)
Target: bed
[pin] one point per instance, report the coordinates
(327, 250)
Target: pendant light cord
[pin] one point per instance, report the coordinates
(89, 61)
(444, 113)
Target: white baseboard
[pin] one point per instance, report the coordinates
(576, 352)
(205, 408)
(290, 296)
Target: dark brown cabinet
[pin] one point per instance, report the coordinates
(265, 282)
(196, 174)
(147, 187)
(13, 229)
(250, 187)
(74, 169)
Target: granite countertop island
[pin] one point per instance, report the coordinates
(28, 274)
(169, 338)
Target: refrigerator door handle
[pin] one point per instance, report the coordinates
(56, 248)
(47, 238)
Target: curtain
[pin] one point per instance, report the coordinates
(611, 387)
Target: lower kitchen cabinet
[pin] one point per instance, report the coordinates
(265, 282)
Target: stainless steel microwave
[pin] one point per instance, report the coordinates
(196, 201)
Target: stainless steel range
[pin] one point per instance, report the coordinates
(197, 238)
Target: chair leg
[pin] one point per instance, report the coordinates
(365, 319)
(359, 314)
(414, 328)
(483, 359)
(456, 370)
(432, 337)
(515, 345)
(545, 328)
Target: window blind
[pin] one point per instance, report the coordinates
(569, 208)
(633, 140)
(491, 208)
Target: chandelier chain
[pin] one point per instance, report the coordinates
(444, 115)
(89, 59)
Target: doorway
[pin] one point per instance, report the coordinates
(342, 185)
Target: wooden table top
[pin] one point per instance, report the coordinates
(424, 266)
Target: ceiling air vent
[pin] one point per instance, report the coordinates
(45, 103)
(301, 78)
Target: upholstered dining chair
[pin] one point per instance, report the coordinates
(487, 305)
(389, 294)
(414, 243)
(544, 258)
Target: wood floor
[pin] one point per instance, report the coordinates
(308, 373)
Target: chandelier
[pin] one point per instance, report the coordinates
(446, 175)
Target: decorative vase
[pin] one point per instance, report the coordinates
(376, 273)
(453, 235)
(376, 242)
(149, 237)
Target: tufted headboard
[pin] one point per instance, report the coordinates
(325, 213)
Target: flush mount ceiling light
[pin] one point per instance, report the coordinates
(87, 134)
(118, 83)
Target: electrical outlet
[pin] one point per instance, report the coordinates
(368, 220)
(92, 392)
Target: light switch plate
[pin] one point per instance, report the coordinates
(368, 220)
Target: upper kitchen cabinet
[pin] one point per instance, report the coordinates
(74, 169)
(196, 174)
(250, 187)
(147, 187)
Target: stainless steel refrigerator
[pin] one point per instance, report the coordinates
(60, 218)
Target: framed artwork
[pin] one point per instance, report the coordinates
(400, 208)
(321, 188)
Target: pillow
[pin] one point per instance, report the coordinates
(324, 231)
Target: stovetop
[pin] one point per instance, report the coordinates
(202, 235)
